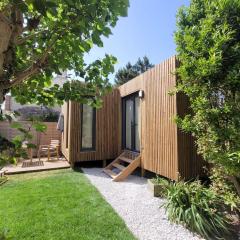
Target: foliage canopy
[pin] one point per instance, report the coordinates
(130, 71)
(40, 38)
(208, 46)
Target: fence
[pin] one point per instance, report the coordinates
(38, 138)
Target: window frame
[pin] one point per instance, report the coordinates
(132, 97)
(93, 148)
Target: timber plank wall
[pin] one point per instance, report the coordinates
(107, 130)
(165, 149)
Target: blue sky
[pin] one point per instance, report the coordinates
(147, 30)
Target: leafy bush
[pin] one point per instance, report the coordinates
(7, 156)
(51, 116)
(207, 39)
(198, 208)
(5, 144)
(10, 152)
(224, 188)
(6, 151)
(25, 137)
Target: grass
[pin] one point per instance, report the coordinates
(60, 204)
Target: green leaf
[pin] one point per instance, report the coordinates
(16, 125)
(31, 146)
(40, 6)
(40, 127)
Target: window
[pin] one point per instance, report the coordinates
(88, 128)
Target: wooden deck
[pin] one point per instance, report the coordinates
(36, 166)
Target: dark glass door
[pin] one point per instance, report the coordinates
(131, 123)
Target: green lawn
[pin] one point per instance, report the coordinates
(59, 204)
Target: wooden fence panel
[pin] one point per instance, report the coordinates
(38, 138)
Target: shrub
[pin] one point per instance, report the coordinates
(224, 188)
(7, 157)
(198, 208)
(6, 151)
(207, 39)
(5, 144)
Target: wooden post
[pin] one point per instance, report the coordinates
(142, 172)
(142, 169)
(57, 150)
(39, 155)
(48, 154)
(104, 163)
(31, 154)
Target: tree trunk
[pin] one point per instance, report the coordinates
(5, 36)
(11, 27)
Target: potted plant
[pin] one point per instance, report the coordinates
(158, 186)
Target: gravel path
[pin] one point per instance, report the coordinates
(134, 203)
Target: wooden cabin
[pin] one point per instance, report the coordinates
(135, 127)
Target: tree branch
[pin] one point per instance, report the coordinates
(35, 67)
(22, 40)
(5, 19)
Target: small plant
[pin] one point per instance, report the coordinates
(198, 208)
(6, 151)
(10, 152)
(7, 157)
(25, 137)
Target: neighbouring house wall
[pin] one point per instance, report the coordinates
(10, 104)
(38, 138)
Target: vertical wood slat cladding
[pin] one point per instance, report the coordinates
(160, 155)
(191, 163)
(158, 130)
(107, 134)
(165, 150)
(66, 113)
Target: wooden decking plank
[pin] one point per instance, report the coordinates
(118, 166)
(110, 173)
(128, 160)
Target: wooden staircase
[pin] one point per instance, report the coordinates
(123, 165)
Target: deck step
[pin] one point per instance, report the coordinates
(118, 166)
(132, 158)
(128, 160)
(110, 173)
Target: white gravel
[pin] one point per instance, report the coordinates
(141, 212)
